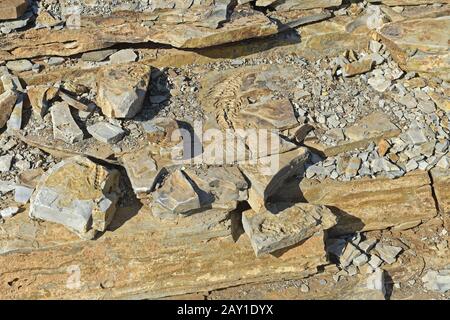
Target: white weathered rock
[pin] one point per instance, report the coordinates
(437, 280)
(8, 212)
(22, 194)
(15, 119)
(5, 163)
(376, 281)
(367, 245)
(64, 126)
(106, 132)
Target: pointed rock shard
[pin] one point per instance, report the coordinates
(12, 9)
(122, 89)
(77, 193)
(39, 97)
(176, 196)
(7, 102)
(269, 174)
(269, 232)
(64, 126)
(15, 119)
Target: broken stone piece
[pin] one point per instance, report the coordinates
(39, 97)
(106, 132)
(176, 196)
(22, 194)
(8, 212)
(348, 255)
(122, 89)
(271, 231)
(388, 253)
(123, 56)
(19, 65)
(64, 126)
(269, 174)
(77, 193)
(220, 187)
(15, 119)
(7, 102)
(5, 163)
(357, 67)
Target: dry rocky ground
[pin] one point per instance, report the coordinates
(118, 119)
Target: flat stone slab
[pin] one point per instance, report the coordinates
(106, 132)
(272, 231)
(64, 126)
(166, 261)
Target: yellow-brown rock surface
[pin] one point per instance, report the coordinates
(373, 204)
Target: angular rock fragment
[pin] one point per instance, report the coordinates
(15, 119)
(270, 173)
(287, 5)
(357, 67)
(176, 196)
(64, 126)
(75, 103)
(106, 132)
(22, 194)
(8, 212)
(388, 253)
(271, 231)
(40, 96)
(122, 89)
(7, 102)
(5, 163)
(79, 194)
(12, 9)
(348, 255)
(142, 170)
(219, 187)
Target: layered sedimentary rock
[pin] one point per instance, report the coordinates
(142, 258)
(131, 27)
(374, 203)
(282, 227)
(419, 45)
